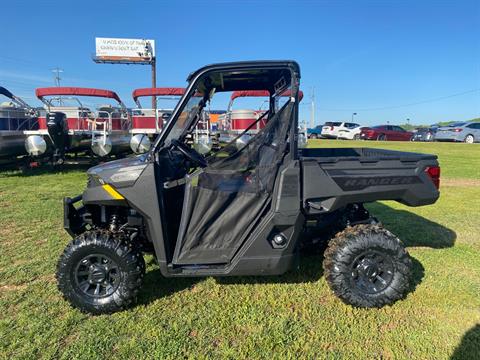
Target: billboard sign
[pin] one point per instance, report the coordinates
(121, 50)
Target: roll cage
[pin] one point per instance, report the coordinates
(274, 77)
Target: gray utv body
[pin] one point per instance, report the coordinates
(245, 212)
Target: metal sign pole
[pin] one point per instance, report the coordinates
(154, 85)
(154, 82)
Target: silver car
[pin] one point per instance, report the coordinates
(468, 132)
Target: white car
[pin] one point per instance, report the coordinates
(350, 132)
(333, 129)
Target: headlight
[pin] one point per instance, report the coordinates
(94, 180)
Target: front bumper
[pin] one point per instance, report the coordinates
(364, 136)
(74, 218)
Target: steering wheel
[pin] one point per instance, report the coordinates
(189, 153)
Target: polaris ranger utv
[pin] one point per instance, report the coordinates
(245, 209)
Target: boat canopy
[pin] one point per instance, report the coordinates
(261, 93)
(164, 91)
(76, 91)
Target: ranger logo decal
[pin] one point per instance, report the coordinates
(360, 183)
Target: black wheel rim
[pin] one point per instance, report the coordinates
(372, 272)
(97, 275)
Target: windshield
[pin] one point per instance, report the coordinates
(329, 123)
(351, 125)
(191, 109)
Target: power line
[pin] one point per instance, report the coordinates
(405, 105)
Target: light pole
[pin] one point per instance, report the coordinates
(312, 111)
(353, 116)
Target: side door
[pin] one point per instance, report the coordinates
(351, 129)
(400, 133)
(224, 201)
(477, 133)
(474, 129)
(389, 133)
(341, 126)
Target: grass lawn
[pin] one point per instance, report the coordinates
(291, 316)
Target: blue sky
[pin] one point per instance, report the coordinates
(369, 57)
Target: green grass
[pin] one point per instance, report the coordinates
(294, 315)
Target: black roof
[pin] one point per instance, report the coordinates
(247, 65)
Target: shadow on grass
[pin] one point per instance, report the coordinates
(412, 229)
(469, 347)
(309, 270)
(155, 286)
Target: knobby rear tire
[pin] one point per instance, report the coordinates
(347, 247)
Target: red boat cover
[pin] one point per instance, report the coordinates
(53, 91)
(170, 91)
(260, 93)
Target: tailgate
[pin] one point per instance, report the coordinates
(333, 178)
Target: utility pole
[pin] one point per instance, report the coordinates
(312, 112)
(57, 78)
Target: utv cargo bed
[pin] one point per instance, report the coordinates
(335, 177)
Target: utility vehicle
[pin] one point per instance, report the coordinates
(240, 211)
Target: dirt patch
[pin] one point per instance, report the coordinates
(460, 182)
(46, 278)
(49, 278)
(8, 236)
(12, 287)
(20, 262)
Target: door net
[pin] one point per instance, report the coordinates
(224, 201)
